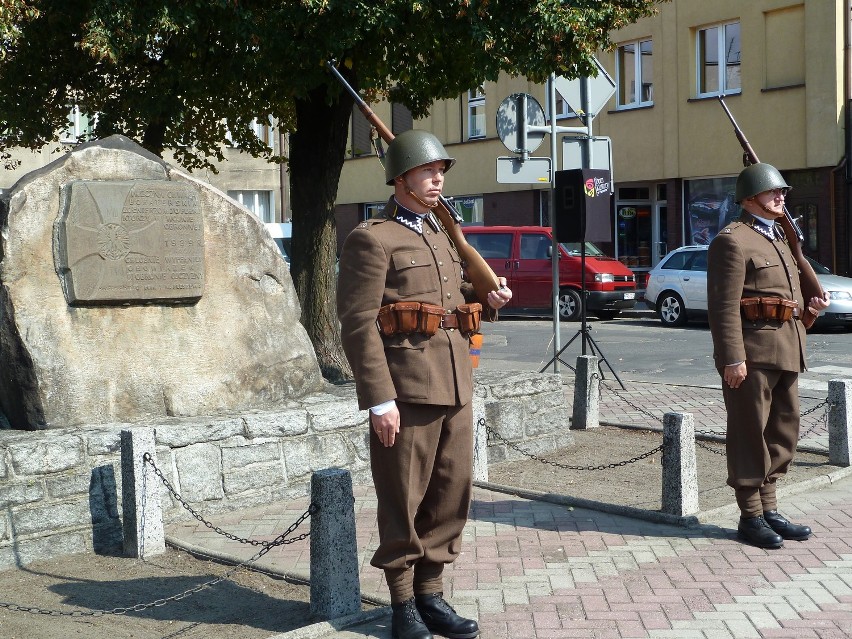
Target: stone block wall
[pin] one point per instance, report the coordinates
(60, 490)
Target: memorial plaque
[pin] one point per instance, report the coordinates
(136, 241)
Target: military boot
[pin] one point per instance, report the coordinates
(755, 531)
(406, 622)
(440, 618)
(787, 530)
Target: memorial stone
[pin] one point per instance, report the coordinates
(132, 291)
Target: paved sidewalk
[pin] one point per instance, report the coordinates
(536, 570)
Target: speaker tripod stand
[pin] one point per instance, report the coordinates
(586, 339)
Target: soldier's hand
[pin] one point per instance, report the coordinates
(735, 374)
(386, 426)
(499, 298)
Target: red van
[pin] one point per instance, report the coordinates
(522, 254)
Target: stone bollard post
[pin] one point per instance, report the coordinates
(480, 441)
(840, 422)
(140, 491)
(335, 589)
(680, 478)
(586, 412)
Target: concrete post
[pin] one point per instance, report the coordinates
(480, 441)
(680, 478)
(586, 412)
(140, 490)
(335, 589)
(840, 422)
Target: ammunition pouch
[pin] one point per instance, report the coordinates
(420, 317)
(769, 309)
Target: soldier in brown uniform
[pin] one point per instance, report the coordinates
(397, 271)
(756, 320)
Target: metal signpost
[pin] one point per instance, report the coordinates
(521, 126)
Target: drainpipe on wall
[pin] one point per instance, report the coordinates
(847, 94)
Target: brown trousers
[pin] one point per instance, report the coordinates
(763, 430)
(423, 484)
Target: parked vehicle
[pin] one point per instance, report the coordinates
(522, 254)
(281, 233)
(677, 289)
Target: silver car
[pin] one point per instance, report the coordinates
(677, 289)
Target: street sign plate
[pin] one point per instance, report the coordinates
(511, 170)
(601, 89)
(572, 153)
(512, 128)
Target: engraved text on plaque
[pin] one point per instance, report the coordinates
(135, 241)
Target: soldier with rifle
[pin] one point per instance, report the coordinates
(406, 313)
(761, 298)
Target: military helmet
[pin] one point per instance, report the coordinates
(758, 178)
(410, 149)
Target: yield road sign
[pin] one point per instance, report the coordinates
(601, 89)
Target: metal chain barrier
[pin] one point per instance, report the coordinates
(267, 546)
(253, 542)
(496, 436)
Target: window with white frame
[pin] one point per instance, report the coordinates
(476, 113)
(634, 72)
(80, 127)
(718, 60)
(258, 202)
(372, 209)
(264, 132)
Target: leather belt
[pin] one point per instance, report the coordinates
(449, 320)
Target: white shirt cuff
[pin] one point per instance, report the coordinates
(383, 408)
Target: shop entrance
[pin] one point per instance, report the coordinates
(641, 229)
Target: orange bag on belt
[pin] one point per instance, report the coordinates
(475, 348)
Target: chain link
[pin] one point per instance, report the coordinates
(492, 433)
(253, 542)
(267, 546)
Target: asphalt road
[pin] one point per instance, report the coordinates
(640, 348)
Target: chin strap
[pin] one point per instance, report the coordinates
(422, 203)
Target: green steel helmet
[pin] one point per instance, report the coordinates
(758, 178)
(410, 149)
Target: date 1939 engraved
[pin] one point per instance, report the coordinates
(135, 241)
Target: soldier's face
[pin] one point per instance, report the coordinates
(426, 181)
(770, 203)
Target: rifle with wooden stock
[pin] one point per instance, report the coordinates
(807, 277)
(481, 275)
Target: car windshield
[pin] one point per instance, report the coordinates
(573, 248)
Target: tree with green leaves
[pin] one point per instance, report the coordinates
(184, 74)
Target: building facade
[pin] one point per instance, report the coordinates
(260, 186)
(782, 68)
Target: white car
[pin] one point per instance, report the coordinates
(677, 289)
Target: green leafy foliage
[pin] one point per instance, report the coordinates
(184, 74)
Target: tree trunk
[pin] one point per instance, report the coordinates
(317, 150)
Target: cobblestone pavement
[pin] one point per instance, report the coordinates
(539, 570)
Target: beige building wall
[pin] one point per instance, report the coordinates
(790, 106)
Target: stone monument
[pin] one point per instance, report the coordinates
(131, 291)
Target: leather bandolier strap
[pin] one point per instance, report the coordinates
(420, 317)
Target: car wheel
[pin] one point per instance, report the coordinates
(606, 315)
(570, 305)
(671, 310)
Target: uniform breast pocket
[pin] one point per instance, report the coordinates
(767, 271)
(415, 273)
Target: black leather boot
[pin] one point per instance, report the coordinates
(755, 531)
(787, 530)
(441, 619)
(406, 622)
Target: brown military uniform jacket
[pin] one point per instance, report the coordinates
(742, 262)
(382, 262)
